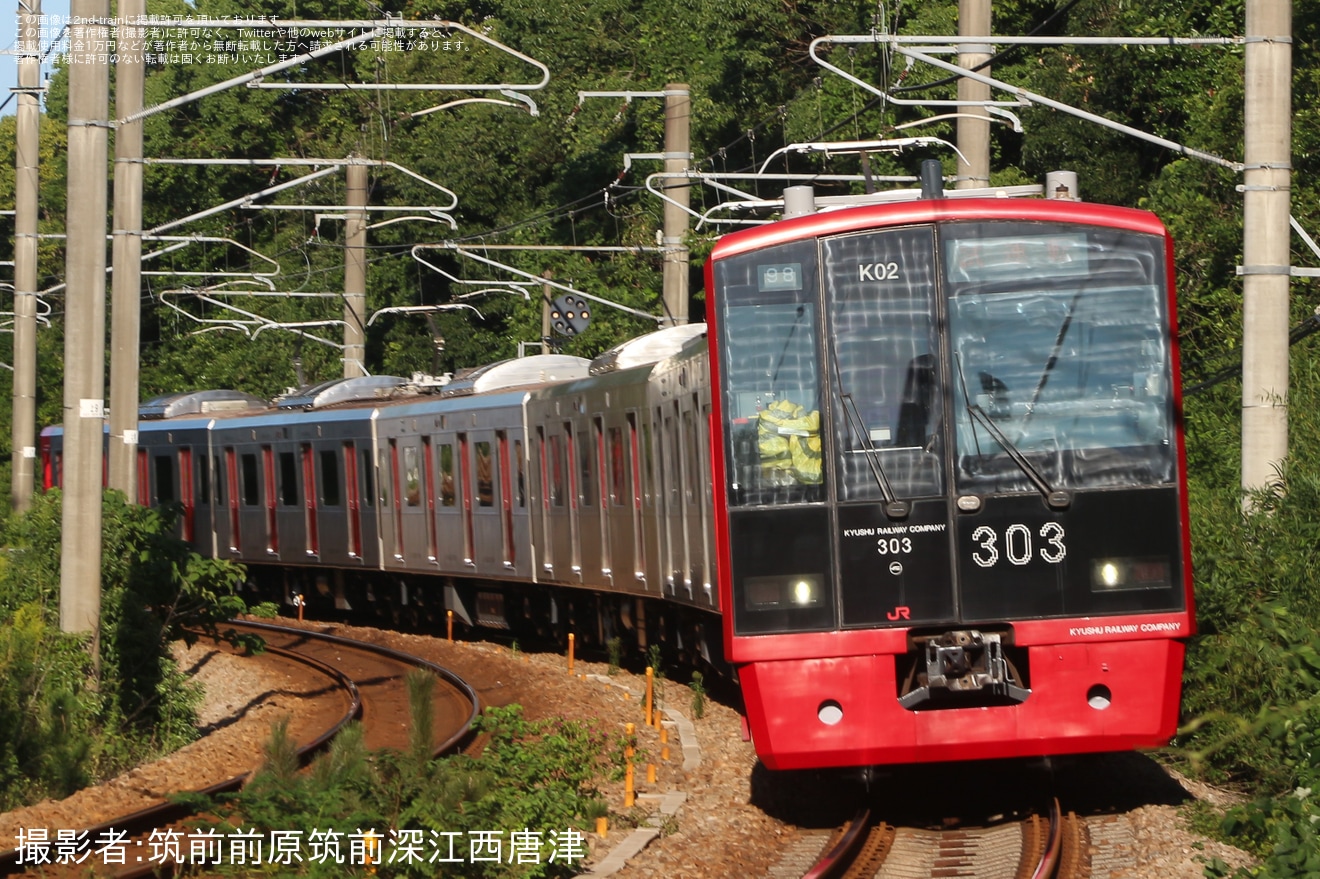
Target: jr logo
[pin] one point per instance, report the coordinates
(899, 613)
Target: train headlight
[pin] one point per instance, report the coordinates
(1125, 574)
(784, 591)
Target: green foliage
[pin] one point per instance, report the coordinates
(614, 647)
(63, 719)
(535, 776)
(698, 687)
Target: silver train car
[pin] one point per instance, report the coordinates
(546, 494)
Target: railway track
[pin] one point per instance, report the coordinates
(367, 680)
(1038, 846)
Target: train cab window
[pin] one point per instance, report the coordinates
(1059, 341)
(288, 480)
(330, 495)
(412, 477)
(880, 298)
(769, 326)
(251, 482)
(485, 483)
(165, 492)
(446, 474)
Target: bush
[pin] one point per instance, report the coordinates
(65, 720)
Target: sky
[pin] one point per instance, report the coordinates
(57, 13)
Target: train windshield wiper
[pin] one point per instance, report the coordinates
(1055, 499)
(894, 508)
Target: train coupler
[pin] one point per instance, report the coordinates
(962, 663)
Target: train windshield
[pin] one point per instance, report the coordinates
(1059, 349)
(880, 294)
(769, 333)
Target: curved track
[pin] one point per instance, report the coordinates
(366, 680)
(1051, 846)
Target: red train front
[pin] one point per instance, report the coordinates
(951, 510)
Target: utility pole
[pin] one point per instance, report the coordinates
(678, 154)
(973, 133)
(26, 186)
(84, 324)
(1266, 253)
(126, 280)
(355, 272)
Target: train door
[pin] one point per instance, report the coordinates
(451, 542)
(396, 495)
(650, 516)
(271, 493)
(617, 499)
(187, 499)
(542, 481)
(464, 486)
(232, 486)
(602, 496)
(693, 518)
(311, 510)
(570, 469)
(667, 494)
(428, 476)
(143, 477)
(633, 499)
(505, 464)
(352, 500)
(705, 501)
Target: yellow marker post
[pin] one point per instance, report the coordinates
(449, 625)
(602, 827)
(570, 652)
(650, 773)
(629, 796)
(629, 730)
(664, 744)
(650, 692)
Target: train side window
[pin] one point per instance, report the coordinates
(368, 480)
(412, 476)
(329, 478)
(447, 475)
(165, 479)
(251, 482)
(556, 470)
(204, 480)
(522, 481)
(485, 484)
(618, 466)
(217, 463)
(288, 480)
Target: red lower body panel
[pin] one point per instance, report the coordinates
(1143, 680)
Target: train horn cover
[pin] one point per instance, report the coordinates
(569, 315)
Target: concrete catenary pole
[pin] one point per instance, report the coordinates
(678, 154)
(26, 190)
(355, 273)
(973, 133)
(126, 280)
(84, 322)
(1265, 245)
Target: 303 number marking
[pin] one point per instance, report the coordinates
(893, 545)
(1017, 543)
